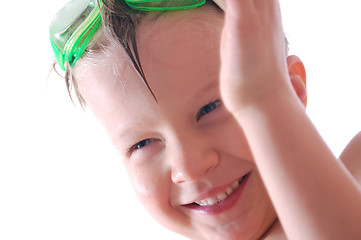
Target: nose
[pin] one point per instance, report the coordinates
(191, 158)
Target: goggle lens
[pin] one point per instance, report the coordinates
(76, 23)
(70, 28)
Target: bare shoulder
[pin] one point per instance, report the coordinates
(351, 157)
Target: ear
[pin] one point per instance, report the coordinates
(297, 74)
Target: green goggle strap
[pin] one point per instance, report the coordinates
(163, 5)
(76, 44)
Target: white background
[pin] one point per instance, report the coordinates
(60, 177)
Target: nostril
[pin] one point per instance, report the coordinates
(191, 160)
(177, 177)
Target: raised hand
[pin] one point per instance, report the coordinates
(253, 52)
(314, 195)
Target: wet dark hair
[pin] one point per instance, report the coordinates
(119, 23)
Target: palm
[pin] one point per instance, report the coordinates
(253, 52)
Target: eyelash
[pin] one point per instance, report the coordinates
(208, 108)
(203, 111)
(140, 145)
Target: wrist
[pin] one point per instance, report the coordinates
(262, 98)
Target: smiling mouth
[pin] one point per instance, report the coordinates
(221, 196)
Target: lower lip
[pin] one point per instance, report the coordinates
(226, 204)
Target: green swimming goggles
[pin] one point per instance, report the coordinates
(76, 23)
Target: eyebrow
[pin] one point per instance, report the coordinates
(122, 145)
(122, 132)
(207, 87)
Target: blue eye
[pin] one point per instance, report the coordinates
(139, 145)
(208, 108)
(143, 143)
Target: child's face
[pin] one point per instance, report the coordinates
(186, 147)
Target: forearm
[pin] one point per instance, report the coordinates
(314, 196)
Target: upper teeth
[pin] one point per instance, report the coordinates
(220, 196)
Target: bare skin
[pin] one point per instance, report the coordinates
(323, 199)
(174, 157)
(351, 157)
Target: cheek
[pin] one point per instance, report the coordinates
(231, 139)
(152, 187)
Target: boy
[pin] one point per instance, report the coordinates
(217, 157)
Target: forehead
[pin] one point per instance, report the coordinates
(180, 45)
(179, 28)
(175, 50)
